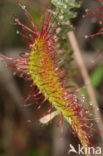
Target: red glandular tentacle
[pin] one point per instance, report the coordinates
(45, 26)
(41, 104)
(34, 25)
(48, 112)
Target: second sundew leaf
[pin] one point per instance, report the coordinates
(48, 77)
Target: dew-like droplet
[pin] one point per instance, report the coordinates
(86, 36)
(83, 16)
(29, 121)
(16, 19)
(97, 108)
(87, 111)
(86, 10)
(24, 7)
(17, 32)
(100, 22)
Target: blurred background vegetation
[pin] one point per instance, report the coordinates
(18, 134)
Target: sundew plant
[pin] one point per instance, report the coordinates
(50, 72)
